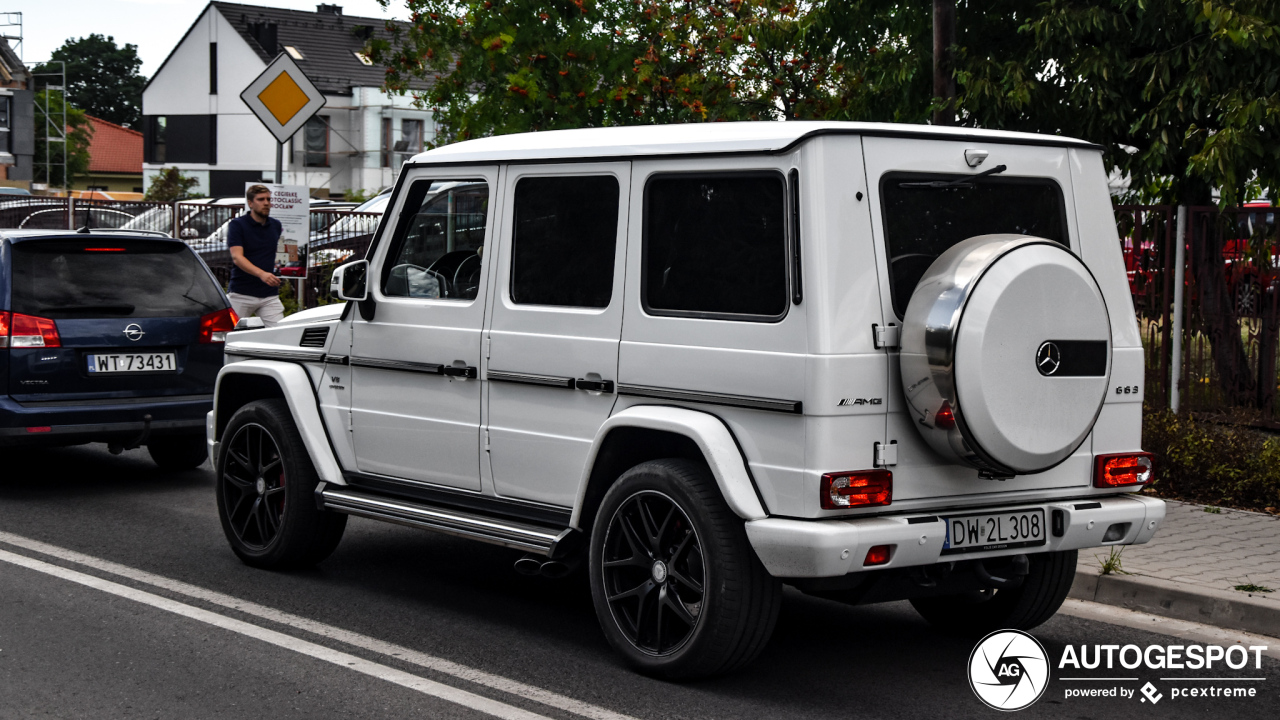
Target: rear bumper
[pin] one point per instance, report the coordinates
(832, 548)
(96, 421)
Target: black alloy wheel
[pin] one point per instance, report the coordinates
(265, 490)
(677, 588)
(254, 484)
(654, 573)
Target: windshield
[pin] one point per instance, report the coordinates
(110, 277)
(921, 222)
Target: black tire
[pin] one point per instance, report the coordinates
(1022, 608)
(178, 452)
(714, 578)
(265, 491)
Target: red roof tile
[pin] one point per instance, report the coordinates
(114, 148)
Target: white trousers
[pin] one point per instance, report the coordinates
(269, 308)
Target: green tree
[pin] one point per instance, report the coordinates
(102, 79)
(169, 185)
(51, 158)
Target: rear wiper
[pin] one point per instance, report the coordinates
(109, 309)
(966, 181)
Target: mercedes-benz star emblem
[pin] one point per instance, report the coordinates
(1048, 358)
(134, 332)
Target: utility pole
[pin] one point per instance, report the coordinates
(944, 81)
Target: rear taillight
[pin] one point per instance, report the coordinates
(26, 331)
(1122, 469)
(215, 326)
(864, 488)
(878, 555)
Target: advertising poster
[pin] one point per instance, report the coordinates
(290, 205)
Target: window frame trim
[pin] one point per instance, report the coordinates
(771, 172)
(912, 176)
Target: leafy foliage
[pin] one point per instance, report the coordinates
(102, 79)
(49, 157)
(169, 185)
(1203, 462)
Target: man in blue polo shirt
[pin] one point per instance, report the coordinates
(252, 239)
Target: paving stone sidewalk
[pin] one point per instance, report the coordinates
(1190, 568)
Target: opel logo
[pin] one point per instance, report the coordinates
(134, 332)
(1048, 358)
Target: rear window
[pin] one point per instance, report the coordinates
(109, 277)
(921, 222)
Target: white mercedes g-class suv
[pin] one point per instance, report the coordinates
(874, 362)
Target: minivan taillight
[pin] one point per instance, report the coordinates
(27, 331)
(215, 326)
(864, 488)
(1122, 469)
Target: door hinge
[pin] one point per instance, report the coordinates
(486, 441)
(886, 335)
(887, 455)
(488, 346)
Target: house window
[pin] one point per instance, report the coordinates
(213, 68)
(5, 142)
(386, 142)
(316, 142)
(294, 52)
(410, 142)
(159, 125)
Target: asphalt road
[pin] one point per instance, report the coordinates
(120, 598)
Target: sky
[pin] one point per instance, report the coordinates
(155, 26)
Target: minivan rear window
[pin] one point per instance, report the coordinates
(110, 277)
(920, 222)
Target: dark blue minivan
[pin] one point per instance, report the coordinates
(108, 336)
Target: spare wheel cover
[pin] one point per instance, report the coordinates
(1006, 353)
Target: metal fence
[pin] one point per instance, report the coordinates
(1224, 359)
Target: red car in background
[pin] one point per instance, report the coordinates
(1240, 258)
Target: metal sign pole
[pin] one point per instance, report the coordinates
(279, 162)
(1179, 278)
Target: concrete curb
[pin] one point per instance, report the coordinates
(1249, 612)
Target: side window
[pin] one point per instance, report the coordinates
(716, 246)
(566, 233)
(439, 241)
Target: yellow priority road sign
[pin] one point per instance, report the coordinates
(283, 97)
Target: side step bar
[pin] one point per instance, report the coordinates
(451, 521)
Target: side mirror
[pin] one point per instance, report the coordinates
(350, 281)
(250, 323)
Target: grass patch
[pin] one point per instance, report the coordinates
(1213, 510)
(1251, 588)
(1111, 564)
(1213, 464)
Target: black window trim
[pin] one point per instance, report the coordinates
(912, 176)
(623, 202)
(404, 188)
(774, 172)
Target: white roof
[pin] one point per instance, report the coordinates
(700, 138)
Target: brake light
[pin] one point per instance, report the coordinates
(945, 419)
(26, 331)
(878, 555)
(4, 329)
(215, 326)
(864, 488)
(104, 249)
(1122, 469)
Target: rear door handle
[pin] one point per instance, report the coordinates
(603, 386)
(463, 372)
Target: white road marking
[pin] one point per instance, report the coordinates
(1185, 629)
(431, 662)
(288, 642)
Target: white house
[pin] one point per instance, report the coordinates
(194, 119)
